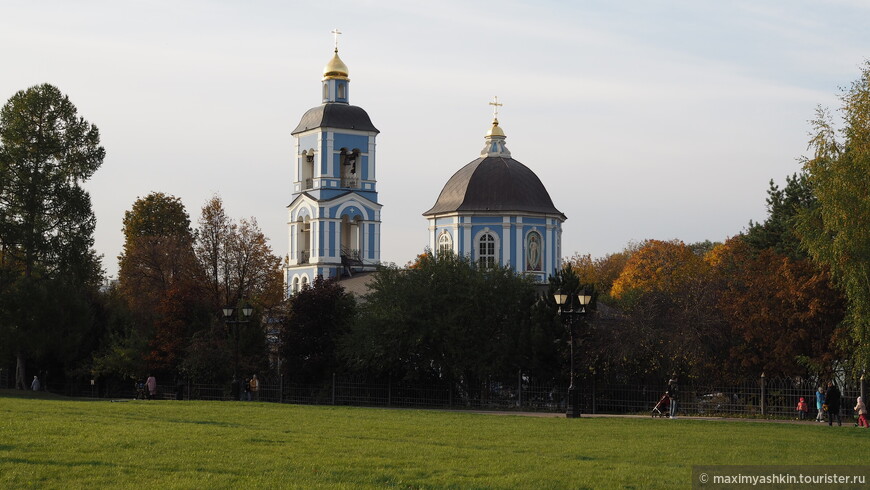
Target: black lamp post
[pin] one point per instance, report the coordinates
(570, 308)
(229, 313)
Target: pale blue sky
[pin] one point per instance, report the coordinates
(643, 119)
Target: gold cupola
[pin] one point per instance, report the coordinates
(335, 69)
(495, 130)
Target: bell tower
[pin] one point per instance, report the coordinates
(334, 218)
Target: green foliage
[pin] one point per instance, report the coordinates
(319, 316)
(46, 153)
(236, 445)
(836, 229)
(446, 319)
(778, 232)
(48, 270)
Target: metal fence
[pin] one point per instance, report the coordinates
(753, 398)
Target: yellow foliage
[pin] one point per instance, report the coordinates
(665, 266)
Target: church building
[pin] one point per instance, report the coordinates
(334, 218)
(495, 210)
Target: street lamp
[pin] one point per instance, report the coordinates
(228, 319)
(569, 311)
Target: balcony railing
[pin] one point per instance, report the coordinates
(350, 183)
(350, 253)
(302, 256)
(309, 183)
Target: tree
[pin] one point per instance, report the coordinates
(159, 276)
(238, 269)
(46, 223)
(836, 229)
(662, 266)
(320, 315)
(778, 231)
(782, 313)
(237, 260)
(447, 319)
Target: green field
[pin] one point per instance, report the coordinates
(54, 442)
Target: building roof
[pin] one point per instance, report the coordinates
(336, 115)
(494, 184)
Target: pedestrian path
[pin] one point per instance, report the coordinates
(633, 416)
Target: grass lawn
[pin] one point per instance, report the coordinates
(56, 442)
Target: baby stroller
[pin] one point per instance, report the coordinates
(663, 407)
(140, 391)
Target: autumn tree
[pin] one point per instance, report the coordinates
(659, 266)
(238, 269)
(237, 260)
(782, 313)
(666, 304)
(836, 229)
(46, 223)
(158, 276)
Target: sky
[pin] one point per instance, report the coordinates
(644, 119)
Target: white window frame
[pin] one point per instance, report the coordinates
(496, 248)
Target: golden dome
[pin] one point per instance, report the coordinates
(335, 69)
(495, 130)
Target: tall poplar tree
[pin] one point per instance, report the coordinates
(46, 223)
(836, 230)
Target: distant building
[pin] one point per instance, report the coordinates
(495, 210)
(334, 217)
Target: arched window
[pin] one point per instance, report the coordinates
(304, 282)
(295, 285)
(341, 91)
(486, 250)
(325, 91)
(445, 243)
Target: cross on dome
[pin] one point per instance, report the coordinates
(495, 105)
(336, 32)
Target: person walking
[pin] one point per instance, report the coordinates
(861, 410)
(820, 404)
(151, 386)
(35, 386)
(832, 400)
(246, 387)
(673, 391)
(255, 388)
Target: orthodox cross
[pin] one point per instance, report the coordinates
(336, 32)
(495, 105)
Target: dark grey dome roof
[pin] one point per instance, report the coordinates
(494, 184)
(336, 115)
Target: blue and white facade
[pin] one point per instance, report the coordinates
(495, 210)
(334, 218)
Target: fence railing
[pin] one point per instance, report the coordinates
(768, 398)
